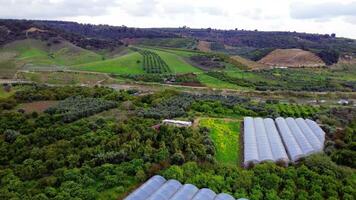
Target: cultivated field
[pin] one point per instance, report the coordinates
(225, 135)
(127, 64)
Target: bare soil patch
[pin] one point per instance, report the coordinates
(292, 58)
(38, 106)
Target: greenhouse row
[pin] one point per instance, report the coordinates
(158, 188)
(280, 139)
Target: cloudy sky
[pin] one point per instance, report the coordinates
(314, 16)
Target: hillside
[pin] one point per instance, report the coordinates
(292, 58)
(249, 63)
(37, 53)
(12, 30)
(248, 44)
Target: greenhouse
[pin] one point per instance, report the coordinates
(158, 188)
(280, 139)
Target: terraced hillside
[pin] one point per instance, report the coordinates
(292, 58)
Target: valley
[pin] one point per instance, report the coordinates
(82, 110)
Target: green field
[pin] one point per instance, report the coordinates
(126, 64)
(216, 83)
(4, 94)
(62, 77)
(176, 63)
(225, 135)
(39, 53)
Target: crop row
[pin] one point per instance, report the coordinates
(153, 63)
(74, 108)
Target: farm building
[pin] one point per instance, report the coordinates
(176, 123)
(158, 188)
(280, 139)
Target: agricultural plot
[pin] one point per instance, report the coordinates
(127, 64)
(175, 59)
(62, 77)
(74, 108)
(153, 63)
(280, 140)
(37, 106)
(225, 135)
(295, 110)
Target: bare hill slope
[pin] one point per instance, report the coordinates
(292, 58)
(249, 63)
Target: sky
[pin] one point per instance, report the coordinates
(312, 16)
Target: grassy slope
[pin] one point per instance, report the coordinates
(225, 135)
(62, 77)
(126, 64)
(175, 61)
(37, 52)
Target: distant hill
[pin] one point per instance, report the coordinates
(249, 63)
(252, 45)
(33, 52)
(292, 58)
(12, 30)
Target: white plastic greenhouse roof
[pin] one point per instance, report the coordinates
(280, 139)
(158, 188)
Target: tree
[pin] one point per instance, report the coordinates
(178, 158)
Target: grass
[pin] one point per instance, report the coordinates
(4, 94)
(37, 52)
(62, 77)
(225, 135)
(216, 83)
(126, 64)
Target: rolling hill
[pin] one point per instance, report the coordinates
(39, 53)
(291, 58)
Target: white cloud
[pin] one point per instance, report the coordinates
(46, 9)
(324, 11)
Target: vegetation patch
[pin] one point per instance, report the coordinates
(208, 62)
(74, 108)
(127, 64)
(225, 135)
(63, 78)
(295, 110)
(153, 63)
(189, 79)
(37, 106)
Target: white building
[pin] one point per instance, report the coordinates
(176, 123)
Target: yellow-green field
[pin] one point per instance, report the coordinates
(225, 135)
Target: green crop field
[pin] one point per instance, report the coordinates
(216, 83)
(225, 135)
(176, 62)
(126, 64)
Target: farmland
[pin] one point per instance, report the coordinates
(81, 110)
(62, 78)
(126, 64)
(153, 63)
(225, 135)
